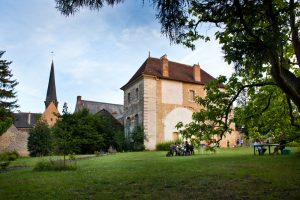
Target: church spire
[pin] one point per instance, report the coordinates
(51, 92)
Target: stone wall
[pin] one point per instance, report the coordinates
(133, 107)
(14, 140)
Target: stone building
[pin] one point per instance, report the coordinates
(159, 95)
(16, 137)
(94, 107)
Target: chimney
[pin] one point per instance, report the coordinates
(165, 65)
(78, 99)
(197, 72)
(29, 118)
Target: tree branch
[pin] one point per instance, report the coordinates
(291, 113)
(294, 31)
(246, 28)
(266, 107)
(228, 109)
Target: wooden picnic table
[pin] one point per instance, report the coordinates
(264, 145)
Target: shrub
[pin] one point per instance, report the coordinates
(4, 164)
(9, 156)
(135, 141)
(165, 146)
(209, 148)
(54, 165)
(293, 144)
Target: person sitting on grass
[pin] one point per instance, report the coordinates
(280, 146)
(261, 150)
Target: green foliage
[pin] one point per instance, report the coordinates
(150, 175)
(54, 165)
(266, 114)
(84, 133)
(8, 100)
(209, 148)
(40, 139)
(165, 146)
(7, 157)
(212, 119)
(111, 131)
(293, 144)
(11, 156)
(4, 164)
(135, 141)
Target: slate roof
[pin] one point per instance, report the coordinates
(177, 72)
(94, 107)
(26, 120)
(116, 123)
(51, 91)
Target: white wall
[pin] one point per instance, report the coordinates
(176, 115)
(150, 113)
(171, 92)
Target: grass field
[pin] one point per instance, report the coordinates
(228, 174)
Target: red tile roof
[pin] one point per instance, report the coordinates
(177, 72)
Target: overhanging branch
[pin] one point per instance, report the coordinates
(228, 109)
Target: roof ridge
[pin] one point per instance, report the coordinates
(102, 102)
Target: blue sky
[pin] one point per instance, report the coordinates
(95, 53)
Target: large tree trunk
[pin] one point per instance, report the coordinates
(286, 80)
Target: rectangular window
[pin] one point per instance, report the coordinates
(192, 95)
(137, 93)
(128, 97)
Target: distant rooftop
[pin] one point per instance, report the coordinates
(26, 120)
(94, 107)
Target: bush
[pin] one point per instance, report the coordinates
(9, 156)
(293, 144)
(54, 165)
(4, 164)
(135, 141)
(211, 149)
(165, 146)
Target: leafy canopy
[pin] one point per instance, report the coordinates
(40, 139)
(8, 100)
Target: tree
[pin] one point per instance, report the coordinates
(111, 130)
(253, 33)
(8, 100)
(258, 37)
(266, 114)
(40, 139)
(135, 141)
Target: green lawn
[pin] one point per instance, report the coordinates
(228, 174)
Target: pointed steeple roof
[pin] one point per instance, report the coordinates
(51, 92)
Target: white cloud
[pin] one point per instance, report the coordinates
(95, 53)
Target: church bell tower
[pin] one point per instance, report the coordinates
(51, 92)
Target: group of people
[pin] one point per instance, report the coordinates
(261, 149)
(183, 149)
